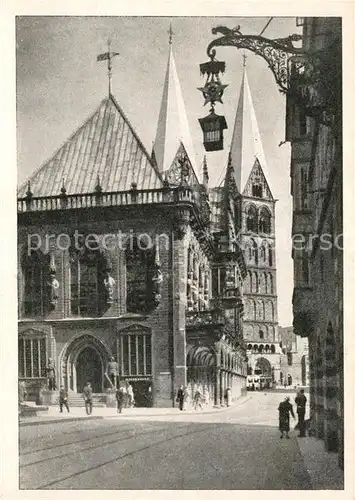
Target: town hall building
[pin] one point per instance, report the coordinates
(127, 254)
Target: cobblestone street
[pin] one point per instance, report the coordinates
(235, 448)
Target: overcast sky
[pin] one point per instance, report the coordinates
(59, 84)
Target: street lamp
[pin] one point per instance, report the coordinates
(213, 125)
(311, 79)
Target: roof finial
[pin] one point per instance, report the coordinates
(244, 60)
(170, 33)
(108, 56)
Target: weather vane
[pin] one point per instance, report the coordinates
(107, 56)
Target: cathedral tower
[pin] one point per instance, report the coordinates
(257, 237)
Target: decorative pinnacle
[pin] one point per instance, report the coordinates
(244, 60)
(170, 33)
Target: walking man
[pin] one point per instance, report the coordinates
(87, 393)
(63, 399)
(197, 399)
(119, 399)
(180, 397)
(301, 401)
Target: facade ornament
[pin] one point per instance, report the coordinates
(182, 222)
(109, 285)
(52, 284)
(157, 279)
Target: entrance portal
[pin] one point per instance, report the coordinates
(89, 369)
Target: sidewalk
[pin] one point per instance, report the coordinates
(322, 466)
(78, 413)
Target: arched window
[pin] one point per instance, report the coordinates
(273, 349)
(254, 248)
(36, 272)
(139, 273)
(261, 334)
(271, 263)
(252, 219)
(271, 284)
(264, 221)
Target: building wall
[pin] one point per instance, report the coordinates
(316, 180)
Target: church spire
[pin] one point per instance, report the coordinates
(246, 144)
(173, 127)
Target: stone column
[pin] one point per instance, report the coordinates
(179, 279)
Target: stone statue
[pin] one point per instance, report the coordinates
(112, 371)
(53, 286)
(109, 284)
(50, 371)
(157, 280)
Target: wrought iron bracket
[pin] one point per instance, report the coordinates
(311, 79)
(275, 52)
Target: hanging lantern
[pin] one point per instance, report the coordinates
(212, 126)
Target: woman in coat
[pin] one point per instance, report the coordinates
(285, 408)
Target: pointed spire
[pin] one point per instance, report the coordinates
(205, 172)
(246, 143)
(173, 126)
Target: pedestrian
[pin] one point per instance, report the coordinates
(119, 399)
(87, 393)
(63, 399)
(301, 402)
(197, 399)
(130, 395)
(180, 397)
(285, 408)
(229, 396)
(207, 396)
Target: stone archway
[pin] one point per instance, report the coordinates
(84, 359)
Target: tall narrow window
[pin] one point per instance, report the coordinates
(265, 221)
(257, 190)
(139, 269)
(32, 357)
(137, 354)
(84, 287)
(304, 189)
(36, 269)
(252, 219)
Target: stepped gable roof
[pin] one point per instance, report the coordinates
(106, 149)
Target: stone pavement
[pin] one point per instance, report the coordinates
(77, 413)
(321, 465)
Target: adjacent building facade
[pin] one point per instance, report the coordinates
(122, 253)
(294, 359)
(314, 127)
